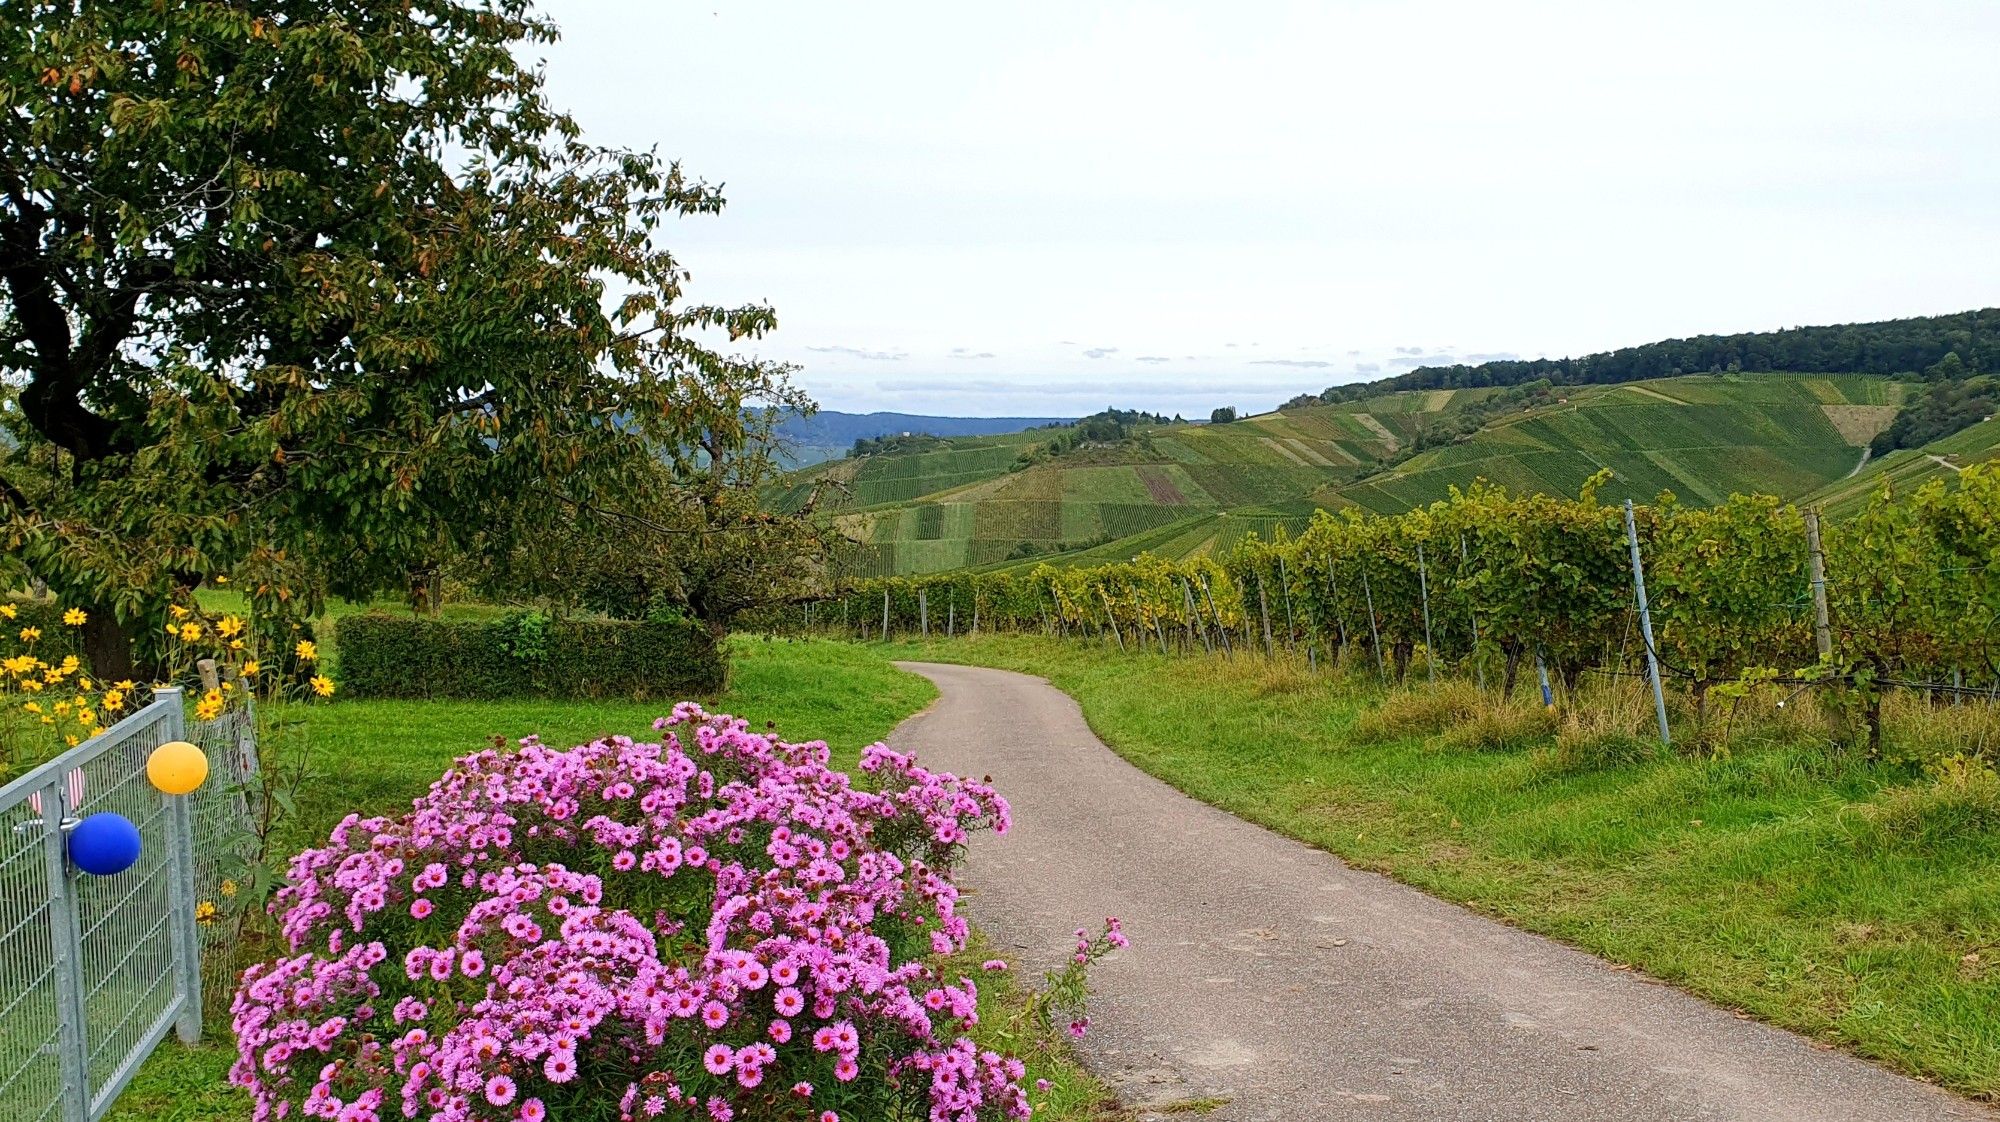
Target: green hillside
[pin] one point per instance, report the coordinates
(1905, 470)
(1179, 490)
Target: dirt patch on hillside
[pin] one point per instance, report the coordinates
(1161, 486)
(1859, 424)
(1369, 422)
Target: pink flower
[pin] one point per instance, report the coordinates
(533, 1111)
(473, 963)
(718, 1059)
(845, 1069)
(420, 908)
(789, 1001)
(499, 1090)
(715, 1014)
(560, 1067)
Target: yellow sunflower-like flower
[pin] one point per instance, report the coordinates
(7, 611)
(249, 668)
(209, 707)
(322, 685)
(204, 911)
(229, 627)
(114, 700)
(31, 706)
(190, 632)
(30, 634)
(177, 611)
(219, 579)
(127, 685)
(71, 664)
(307, 650)
(76, 617)
(228, 887)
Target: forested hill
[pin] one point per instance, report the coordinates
(1896, 346)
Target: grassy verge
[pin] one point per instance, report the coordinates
(378, 755)
(1856, 902)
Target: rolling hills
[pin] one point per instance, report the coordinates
(1177, 490)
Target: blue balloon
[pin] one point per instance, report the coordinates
(104, 844)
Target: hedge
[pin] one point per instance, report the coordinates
(385, 656)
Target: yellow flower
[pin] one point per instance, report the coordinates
(30, 634)
(190, 632)
(178, 611)
(113, 701)
(18, 665)
(306, 650)
(127, 685)
(204, 911)
(84, 684)
(76, 617)
(236, 644)
(71, 664)
(221, 580)
(228, 887)
(322, 685)
(62, 707)
(249, 668)
(71, 740)
(210, 706)
(85, 717)
(230, 627)
(7, 611)
(32, 706)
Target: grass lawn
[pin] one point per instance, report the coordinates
(1762, 880)
(377, 755)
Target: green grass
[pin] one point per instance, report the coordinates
(378, 755)
(1755, 880)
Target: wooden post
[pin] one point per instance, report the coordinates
(1264, 613)
(1220, 630)
(1111, 618)
(1822, 626)
(1285, 590)
(1424, 589)
(1374, 631)
(1192, 613)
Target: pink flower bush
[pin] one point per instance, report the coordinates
(718, 926)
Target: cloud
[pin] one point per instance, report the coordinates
(1367, 368)
(961, 352)
(1409, 350)
(1306, 363)
(1497, 356)
(1153, 358)
(1231, 345)
(1421, 359)
(1100, 352)
(1354, 354)
(858, 352)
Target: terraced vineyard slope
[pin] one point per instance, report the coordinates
(1181, 490)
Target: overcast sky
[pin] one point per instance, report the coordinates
(1047, 208)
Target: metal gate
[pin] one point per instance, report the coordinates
(94, 971)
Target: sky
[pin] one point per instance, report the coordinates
(1050, 208)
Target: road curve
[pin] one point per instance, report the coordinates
(1269, 974)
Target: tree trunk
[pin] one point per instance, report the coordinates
(107, 648)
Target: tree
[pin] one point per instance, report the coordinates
(1222, 416)
(318, 294)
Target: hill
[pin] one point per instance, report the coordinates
(1906, 469)
(1886, 347)
(1184, 489)
(829, 433)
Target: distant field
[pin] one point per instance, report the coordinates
(1182, 490)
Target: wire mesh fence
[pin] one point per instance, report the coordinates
(96, 970)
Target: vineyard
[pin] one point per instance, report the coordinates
(1495, 586)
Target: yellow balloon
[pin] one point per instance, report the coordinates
(177, 767)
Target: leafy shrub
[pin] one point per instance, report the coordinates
(527, 656)
(719, 925)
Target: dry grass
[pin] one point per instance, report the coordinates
(1502, 726)
(1960, 803)
(1419, 711)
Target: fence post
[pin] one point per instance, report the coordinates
(1542, 676)
(885, 615)
(1822, 627)
(66, 947)
(1264, 613)
(1192, 613)
(1217, 613)
(1374, 632)
(924, 611)
(181, 888)
(843, 615)
(1424, 589)
(1646, 624)
(1339, 620)
(1111, 619)
(951, 616)
(1285, 590)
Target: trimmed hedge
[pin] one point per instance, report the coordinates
(385, 656)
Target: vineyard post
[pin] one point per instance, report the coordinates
(1192, 613)
(1646, 624)
(1542, 676)
(1424, 589)
(809, 617)
(1822, 627)
(1478, 664)
(1285, 590)
(951, 616)
(843, 615)
(924, 611)
(1264, 613)
(1332, 596)
(975, 610)
(1111, 618)
(885, 615)
(1160, 629)
(1374, 631)
(1220, 630)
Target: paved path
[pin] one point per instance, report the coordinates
(1271, 975)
